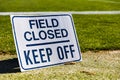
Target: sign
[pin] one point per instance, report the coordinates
(45, 40)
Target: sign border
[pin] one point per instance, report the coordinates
(16, 42)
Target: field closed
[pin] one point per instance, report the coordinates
(98, 36)
(95, 32)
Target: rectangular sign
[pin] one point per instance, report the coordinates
(45, 40)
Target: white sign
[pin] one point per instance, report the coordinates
(46, 40)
